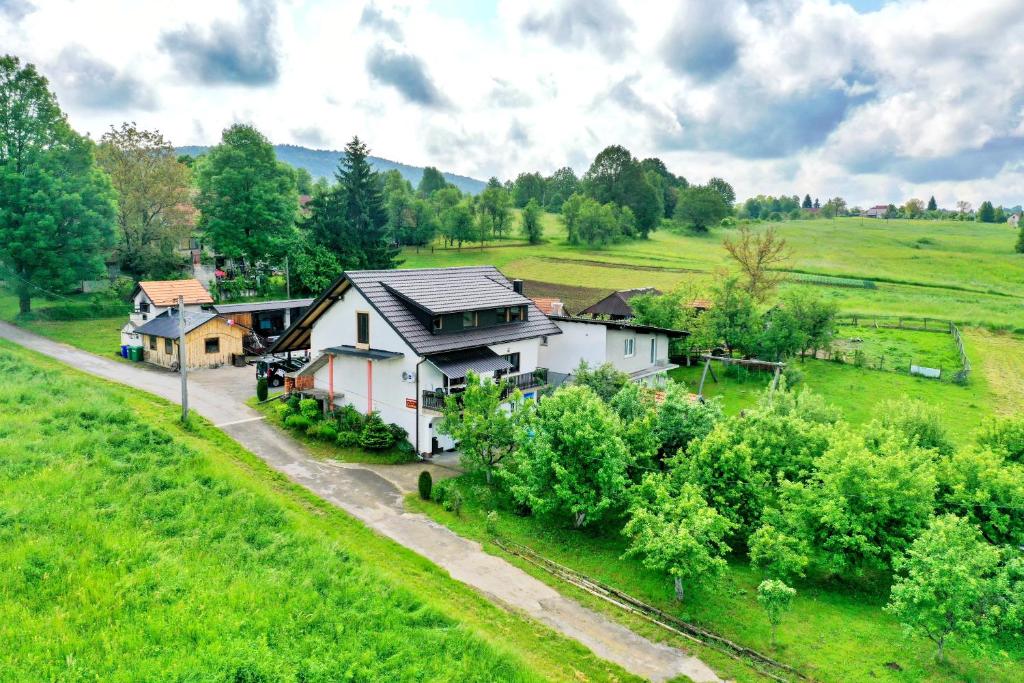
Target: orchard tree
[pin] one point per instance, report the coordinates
(1005, 435)
(682, 421)
(701, 207)
(57, 207)
(154, 193)
(532, 228)
(573, 463)
(634, 404)
(247, 198)
(674, 531)
(986, 489)
(481, 424)
(948, 584)
(671, 310)
(604, 380)
(732, 320)
(915, 422)
(775, 597)
(761, 257)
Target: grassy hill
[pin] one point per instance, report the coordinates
(133, 548)
(321, 163)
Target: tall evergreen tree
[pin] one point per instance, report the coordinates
(807, 202)
(57, 207)
(932, 206)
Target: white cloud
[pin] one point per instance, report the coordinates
(796, 96)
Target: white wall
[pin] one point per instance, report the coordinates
(578, 341)
(641, 358)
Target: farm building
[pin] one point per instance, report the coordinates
(265, 318)
(150, 298)
(877, 211)
(616, 306)
(210, 339)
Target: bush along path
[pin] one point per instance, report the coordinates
(377, 502)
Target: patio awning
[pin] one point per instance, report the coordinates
(371, 354)
(479, 360)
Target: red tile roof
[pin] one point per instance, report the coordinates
(166, 292)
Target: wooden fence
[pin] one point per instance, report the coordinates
(905, 322)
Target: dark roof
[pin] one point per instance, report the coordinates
(166, 324)
(380, 288)
(372, 354)
(480, 360)
(472, 292)
(617, 303)
(253, 306)
(623, 325)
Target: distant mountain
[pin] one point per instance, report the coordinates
(321, 163)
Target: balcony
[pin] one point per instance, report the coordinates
(523, 381)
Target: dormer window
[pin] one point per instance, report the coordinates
(511, 314)
(470, 319)
(438, 323)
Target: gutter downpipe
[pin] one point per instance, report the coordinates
(419, 454)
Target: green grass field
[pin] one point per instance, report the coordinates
(133, 548)
(963, 271)
(831, 634)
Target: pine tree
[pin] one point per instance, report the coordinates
(932, 206)
(363, 203)
(1020, 240)
(807, 202)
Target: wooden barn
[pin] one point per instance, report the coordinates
(211, 340)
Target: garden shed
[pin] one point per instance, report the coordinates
(210, 339)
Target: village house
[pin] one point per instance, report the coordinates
(1013, 220)
(641, 351)
(210, 340)
(399, 341)
(150, 298)
(877, 211)
(616, 306)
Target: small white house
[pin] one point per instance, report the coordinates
(639, 350)
(1013, 220)
(399, 341)
(150, 298)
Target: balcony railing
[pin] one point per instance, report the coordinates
(435, 400)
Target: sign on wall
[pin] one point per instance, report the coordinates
(410, 403)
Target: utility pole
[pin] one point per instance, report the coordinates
(287, 280)
(182, 358)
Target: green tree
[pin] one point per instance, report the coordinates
(932, 206)
(701, 207)
(604, 380)
(532, 228)
(682, 421)
(915, 422)
(980, 485)
(457, 224)
(481, 423)
(153, 188)
(361, 191)
(431, 181)
(247, 198)
(495, 204)
(1005, 435)
(312, 267)
(57, 208)
(816, 317)
(723, 188)
(560, 185)
(762, 258)
(947, 584)
(303, 181)
(986, 212)
(596, 224)
(807, 202)
(528, 186)
(671, 310)
(1020, 240)
(673, 530)
(732, 320)
(571, 209)
(775, 598)
(572, 463)
(616, 177)
(913, 208)
(634, 404)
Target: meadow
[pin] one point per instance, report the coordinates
(963, 271)
(135, 548)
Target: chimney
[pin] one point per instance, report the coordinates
(557, 308)
(517, 286)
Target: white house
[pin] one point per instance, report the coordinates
(877, 211)
(399, 341)
(150, 298)
(1013, 220)
(639, 350)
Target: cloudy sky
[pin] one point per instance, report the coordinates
(871, 100)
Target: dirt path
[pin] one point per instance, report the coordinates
(372, 495)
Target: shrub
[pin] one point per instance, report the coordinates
(491, 522)
(1005, 435)
(425, 483)
(441, 490)
(284, 409)
(776, 598)
(323, 430)
(349, 419)
(347, 439)
(453, 501)
(376, 436)
(297, 421)
(261, 389)
(310, 408)
(398, 434)
(293, 402)
(794, 376)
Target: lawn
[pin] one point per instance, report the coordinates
(134, 548)
(101, 336)
(963, 271)
(896, 350)
(857, 392)
(833, 633)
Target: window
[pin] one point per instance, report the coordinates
(168, 345)
(654, 350)
(363, 329)
(143, 307)
(438, 323)
(513, 360)
(152, 343)
(213, 344)
(470, 319)
(511, 314)
(629, 348)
